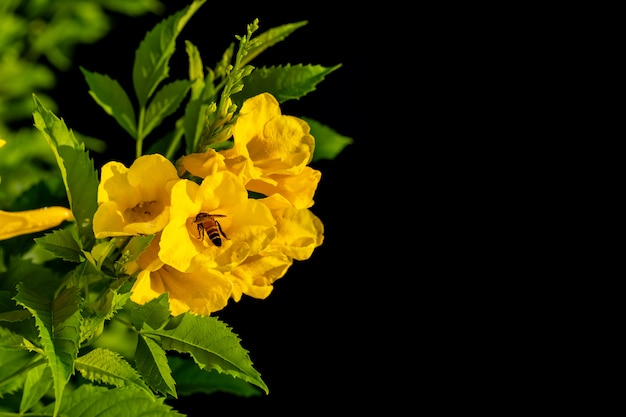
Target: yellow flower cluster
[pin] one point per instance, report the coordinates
(212, 240)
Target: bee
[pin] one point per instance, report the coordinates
(207, 223)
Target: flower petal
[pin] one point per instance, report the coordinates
(135, 200)
(247, 223)
(202, 292)
(255, 276)
(17, 223)
(198, 292)
(299, 232)
(297, 189)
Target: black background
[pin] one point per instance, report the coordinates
(315, 339)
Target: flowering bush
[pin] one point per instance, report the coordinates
(107, 307)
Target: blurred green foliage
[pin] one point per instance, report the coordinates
(37, 40)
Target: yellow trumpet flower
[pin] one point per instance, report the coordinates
(16, 223)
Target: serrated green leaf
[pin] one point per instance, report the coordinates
(96, 313)
(136, 246)
(152, 364)
(285, 82)
(79, 175)
(10, 340)
(328, 143)
(37, 384)
(190, 379)
(9, 311)
(155, 313)
(271, 37)
(108, 367)
(165, 102)
(110, 95)
(151, 65)
(82, 183)
(212, 345)
(89, 401)
(58, 322)
(61, 243)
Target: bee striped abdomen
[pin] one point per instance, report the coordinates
(214, 234)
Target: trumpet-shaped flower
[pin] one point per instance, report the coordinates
(297, 189)
(245, 226)
(201, 292)
(135, 200)
(275, 143)
(17, 223)
(299, 232)
(270, 153)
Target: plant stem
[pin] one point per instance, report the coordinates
(140, 137)
(19, 371)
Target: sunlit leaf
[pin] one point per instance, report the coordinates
(106, 366)
(58, 321)
(89, 401)
(155, 312)
(284, 82)
(110, 95)
(77, 170)
(165, 102)
(270, 38)
(151, 65)
(62, 244)
(152, 364)
(212, 345)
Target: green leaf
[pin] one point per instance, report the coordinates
(328, 143)
(196, 69)
(96, 313)
(108, 93)
(37, 384)
(61, 243)
(155, 313)
(136, 246)
(164, 103)
(151, 65)
(79, 175)
(8, 309)
(271, 37)
(203, 93)
(108, 367)
(192, 380)
(11, 363)
(58, 321)
(152, 364)
(89, 401)
(283, 82)
(10, 340)
(212, 345)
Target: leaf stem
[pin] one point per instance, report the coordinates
(124, 322)
(140, 138)
(178, 134)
